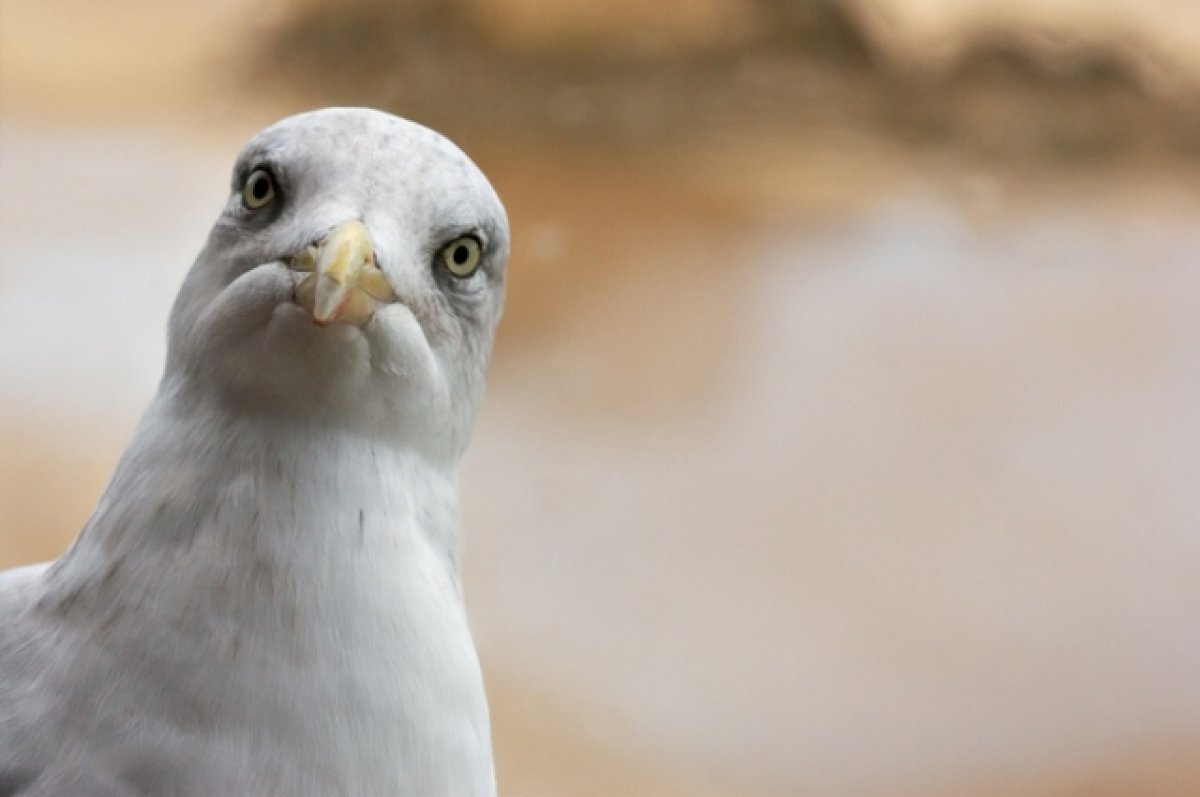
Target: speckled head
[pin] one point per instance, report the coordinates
(355, 277)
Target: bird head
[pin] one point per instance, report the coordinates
(354, 279)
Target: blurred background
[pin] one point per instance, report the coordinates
(842, 434)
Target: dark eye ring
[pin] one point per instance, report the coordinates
(259, 190)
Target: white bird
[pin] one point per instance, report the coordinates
(266, 600)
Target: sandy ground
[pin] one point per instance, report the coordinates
(814, 470)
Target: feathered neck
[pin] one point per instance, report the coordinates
(204, 493)
(294, 589)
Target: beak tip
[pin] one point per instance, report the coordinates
(343, 281)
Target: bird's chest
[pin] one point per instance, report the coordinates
(368, 686)
(356, 723)
(344, 667)
(288, 623)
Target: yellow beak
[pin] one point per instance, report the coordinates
(342, 282)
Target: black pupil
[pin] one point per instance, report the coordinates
(260, 188)
(461, 255)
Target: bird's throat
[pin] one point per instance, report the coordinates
(255, 520)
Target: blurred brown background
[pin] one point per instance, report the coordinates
(842, 435)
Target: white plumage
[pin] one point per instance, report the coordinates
(266, 600)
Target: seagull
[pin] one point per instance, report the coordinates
(267, 598)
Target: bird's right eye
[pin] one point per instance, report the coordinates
(259, 190)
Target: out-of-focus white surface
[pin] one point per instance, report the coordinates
(940, 521)
(97, 231)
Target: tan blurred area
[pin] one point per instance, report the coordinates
(842, 433)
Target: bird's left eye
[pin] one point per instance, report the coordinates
(461, 256)
(259, 190)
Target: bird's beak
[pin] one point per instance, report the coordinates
(338, 278)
